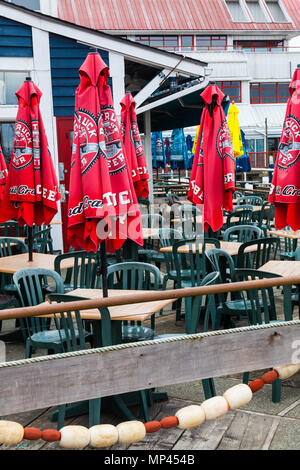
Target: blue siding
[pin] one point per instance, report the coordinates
(15, 39)
(66, 58)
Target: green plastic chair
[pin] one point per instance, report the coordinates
(42, 241)
(82, 275)
(188, 214)
(9, 297)
(266, 250)
(241, 216)
(290, 246)
(261, 309)
(191, 267)
(148, 252)
(198, 305)
(265, 217)
(12, 229)
(242, 233)
(251, 200)
(31, 285)
(135, 276)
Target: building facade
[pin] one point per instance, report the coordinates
(51, 51)
(250, 47)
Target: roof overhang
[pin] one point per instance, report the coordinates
(129, 49)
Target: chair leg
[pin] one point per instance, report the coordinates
(208, 388)
(123, 408)
(28, 350)
(61, 416)
(94, 412)
(144, 406)
(276, 391)
(246, 378)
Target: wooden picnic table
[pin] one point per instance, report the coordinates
(282, 267)
(285, 234)
(231, 248)
(12, 264)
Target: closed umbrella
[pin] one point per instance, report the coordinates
(285, 188)
(31, 192)
(158, 150)
(178, 154)
(243, 163)
(3, 174)
(103, 208)
(235, 131)
(133, 146)
(213, 176)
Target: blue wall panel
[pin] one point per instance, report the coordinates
(15, 39)
(67, 56)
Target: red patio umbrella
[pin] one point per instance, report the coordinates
(133, 146)
(285, 188)
(31, 192)
(3, 174)
(103, 208)
(213, 174)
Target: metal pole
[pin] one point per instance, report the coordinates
(104, 269)
(30, 244)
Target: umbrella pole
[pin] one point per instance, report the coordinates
(30, 244)
(104, 269)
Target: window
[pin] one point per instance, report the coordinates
(232, 89)
(169, 43)
(269, 93)
(7, 132)
(187, 43)
(259, 45)
(32, 4)
(206, 43)
(236, 11)
(276, 11)
(256, 11)
(10, 82)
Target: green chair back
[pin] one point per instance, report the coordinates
(188, 214)
(82, 274)
(251, 200)
(133, 276)
(242, 233)
(262, 300)
(11, 246)
(191, 266)
(31, 285)
(71, 326)
(241, 216)
(42, 241)
(265, 249)
(12, 229)
(199, 304)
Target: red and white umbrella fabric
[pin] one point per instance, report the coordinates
(133, 146)
(31, 191)
(285, 189)
(213, 174)
(102, 200)
(3, 174)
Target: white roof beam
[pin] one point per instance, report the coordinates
(150, 88)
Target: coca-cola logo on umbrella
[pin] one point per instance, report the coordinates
(289, 147)
(22, 151)
(114, 151)
(224, 142)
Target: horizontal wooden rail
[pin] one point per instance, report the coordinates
(45, 382)
(145, 296)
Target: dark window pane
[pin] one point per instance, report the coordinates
(187, 40)
(7, 131)
(271, 86)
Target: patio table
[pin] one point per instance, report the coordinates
(136, 312)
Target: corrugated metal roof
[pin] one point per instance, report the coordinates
(167, 15)
(253, 116)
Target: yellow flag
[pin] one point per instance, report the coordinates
(196, 139)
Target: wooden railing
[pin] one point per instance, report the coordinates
(68, 378)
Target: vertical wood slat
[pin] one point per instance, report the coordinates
(71, 379)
